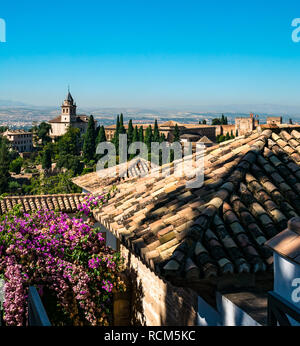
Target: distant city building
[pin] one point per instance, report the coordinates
(20, 140)
(246, 125)
(111, 129)
(68, 118)
(206, 141)
(274, 120)
(195, 131)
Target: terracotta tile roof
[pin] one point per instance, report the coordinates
(96, 182)
(204, 139)
(79, 118)
(251, 190)
(55, 120)
(65, 203)
(171, 123)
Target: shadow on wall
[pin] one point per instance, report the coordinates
(137, 317)
(179, 307)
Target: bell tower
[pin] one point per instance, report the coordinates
(68, 109)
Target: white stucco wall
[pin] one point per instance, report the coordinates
(111, 240)
(287, 281)
(227, 314)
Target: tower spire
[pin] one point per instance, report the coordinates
(69, 97)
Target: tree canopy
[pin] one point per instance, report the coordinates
(4, 167)
(89, 144)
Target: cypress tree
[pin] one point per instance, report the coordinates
(162, 138)
(115, 139)
(221, 138)
(130, 132)
(89, 145)
(122, 129)
(100, 139)
(222, 120)
(135, 138)
(156, 132)
(4, 167)
(101, 135)
(141, 134)
(176, 134)
(46, 159)
(148, 137)
(118, 124)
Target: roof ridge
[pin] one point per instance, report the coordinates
(43, 196)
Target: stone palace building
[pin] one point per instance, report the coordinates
(67, 118)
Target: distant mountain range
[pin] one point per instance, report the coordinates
(16, 114)
(8, 103)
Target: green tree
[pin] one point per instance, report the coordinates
(118, 125)
(148, 137)
(57, 184)
(162, 138)
(42, 132)
(3, 129)
(232, 135)
(89, 144)
(156, 132)
(141, 134)
(101, 135)
(46, 158)
(221, 138)
(13, 186)
(204, 122)
(122, 127)
(130, 132)
(216, 121)
(70, 142)
(115, 139)
(71, 163)
(135, 138)
(4, 167)
(227, 137)
(16, 165)
(222, 120)
(100, 139)
(176, 134)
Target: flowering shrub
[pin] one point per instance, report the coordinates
(90, 203)
(66, 259)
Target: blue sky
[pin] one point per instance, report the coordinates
(158, 53)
